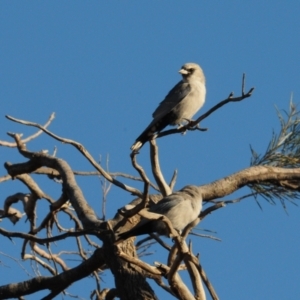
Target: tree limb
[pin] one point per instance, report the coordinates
(56, 283)
(84, 152)
(84, 212)
(156, 171)
(35, 135)
(225, 186)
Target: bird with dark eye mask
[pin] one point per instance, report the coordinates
(181, 208)
(180, 105)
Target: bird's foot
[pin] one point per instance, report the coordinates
(193, 125)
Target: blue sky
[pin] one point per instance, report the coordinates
(103, 66)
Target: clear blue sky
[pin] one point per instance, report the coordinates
(103, 66)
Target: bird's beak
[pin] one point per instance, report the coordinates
(183, 71)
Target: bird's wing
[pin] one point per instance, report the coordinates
(176, 94)
(164, 205)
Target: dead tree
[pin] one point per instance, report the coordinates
(274, 175)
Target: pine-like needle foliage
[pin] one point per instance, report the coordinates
(283, 151)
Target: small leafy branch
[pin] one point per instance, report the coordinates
(283, 151)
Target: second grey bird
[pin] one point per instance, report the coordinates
(181, 208)
(180, 105)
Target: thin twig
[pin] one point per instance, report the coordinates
(145, 197)
(35, 135)
(173, 180)
(41, 241)
(84, 152)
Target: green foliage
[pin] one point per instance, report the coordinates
(283, 151)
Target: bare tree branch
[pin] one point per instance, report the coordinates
(173, 180)
(195, 278)
(56, 283)
(278, 170)
(45, 240)
(13, 145)
(156, 171)
(84, 152)
(83, 210)
(258, 174)
(191, 125)
(178, 288)
(141, 264)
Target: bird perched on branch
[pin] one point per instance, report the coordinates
(181, 208)
(180, 105)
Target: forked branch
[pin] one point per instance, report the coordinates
(84, 152)
(156, 170)
(31, 137)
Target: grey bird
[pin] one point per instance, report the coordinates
(181, 208)
(180, 105)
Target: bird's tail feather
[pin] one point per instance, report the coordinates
(154, 126)
(137, 146)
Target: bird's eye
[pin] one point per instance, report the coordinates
(191, 70)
